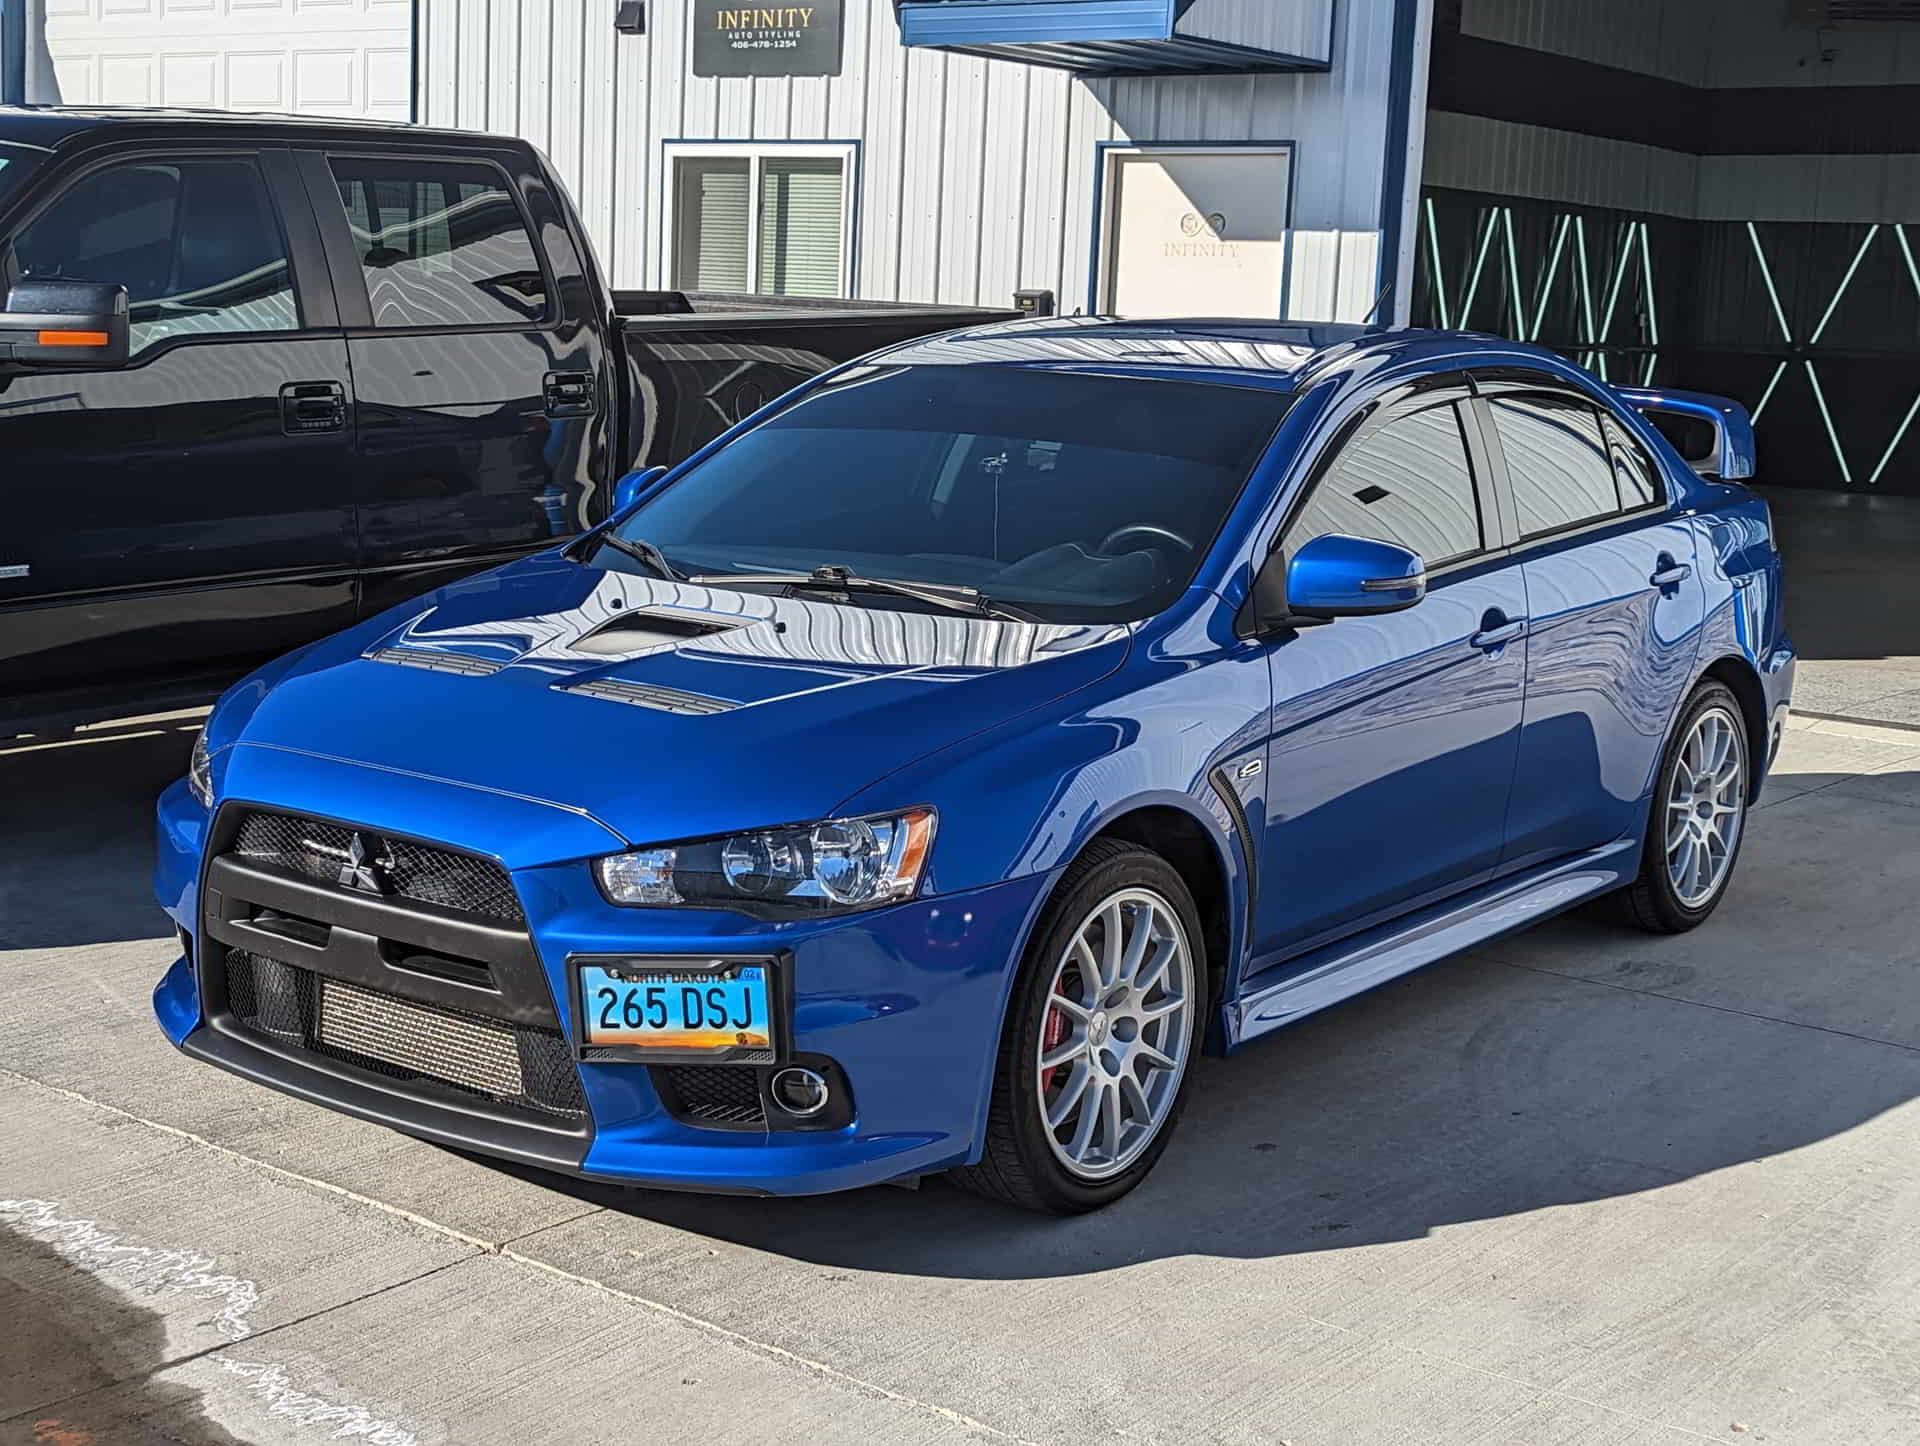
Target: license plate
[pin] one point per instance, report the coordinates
(698, 1011)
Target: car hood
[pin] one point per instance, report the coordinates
(664, 710)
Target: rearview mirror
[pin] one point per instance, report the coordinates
(1336, 577)
(69, 325)
(630, 488)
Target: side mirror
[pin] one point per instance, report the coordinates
(629, 489)
(69, 325)
(1336, 577)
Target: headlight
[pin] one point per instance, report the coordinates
(842, 864)
(200, 771)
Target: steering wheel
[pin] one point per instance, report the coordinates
(1146, 530)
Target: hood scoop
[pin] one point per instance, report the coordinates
(648, 628)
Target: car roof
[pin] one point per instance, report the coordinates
(1237, 351)
(50, 125)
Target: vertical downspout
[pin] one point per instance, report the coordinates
(13, 52)
(1405, 150)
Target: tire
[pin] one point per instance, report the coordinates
(1656, 901)
(1109, 1027)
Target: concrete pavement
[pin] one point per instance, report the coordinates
(1587, 1186)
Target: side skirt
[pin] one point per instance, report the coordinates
(1339, 971)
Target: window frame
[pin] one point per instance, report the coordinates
(1492, 383)
(350, 277)
(312, 288)
(1402, 400)
(1620, 439)
(756, 154)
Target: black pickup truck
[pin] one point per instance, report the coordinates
(261, 377)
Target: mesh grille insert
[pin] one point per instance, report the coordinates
(427, 875)
(716, 1094)
(403, 1040)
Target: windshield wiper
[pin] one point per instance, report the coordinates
(836, 578)
(640, 550)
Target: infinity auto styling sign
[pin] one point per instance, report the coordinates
(735, 39)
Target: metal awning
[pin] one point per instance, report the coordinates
(1109, 37)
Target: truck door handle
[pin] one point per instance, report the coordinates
(312, 407)
(570, 394)
(1498, 635)
(1668, 573)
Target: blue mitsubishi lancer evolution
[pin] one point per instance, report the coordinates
(920, 776)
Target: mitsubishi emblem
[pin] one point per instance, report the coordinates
(364, 871)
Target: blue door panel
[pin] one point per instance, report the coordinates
(1609, 656)
(1391, 757)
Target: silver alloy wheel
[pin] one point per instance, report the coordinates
(1117, 1032)
(1706, 807)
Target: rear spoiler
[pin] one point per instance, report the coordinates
(1714, 435)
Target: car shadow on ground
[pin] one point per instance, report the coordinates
(1473, 1091)
(1478, 1089)
(76, 833)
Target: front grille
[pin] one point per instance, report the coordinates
(530, 1069)
(714, 1094)
(319, 849)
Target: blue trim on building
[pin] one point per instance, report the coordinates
(1101, 149)
(13, 52)
(1138, 37)
(1393, 184)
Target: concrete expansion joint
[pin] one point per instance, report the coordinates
(503, 1250)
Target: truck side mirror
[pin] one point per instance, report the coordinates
(66, 325)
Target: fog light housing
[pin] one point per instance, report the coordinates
(801, 1092)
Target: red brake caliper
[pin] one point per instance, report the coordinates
(1051, 1034)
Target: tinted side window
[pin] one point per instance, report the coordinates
(196, 243)
(1407, 481)
(441, 243)
(1557, 462)
(1633, 470)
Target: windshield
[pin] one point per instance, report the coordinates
(15, 162)
(1075, 498)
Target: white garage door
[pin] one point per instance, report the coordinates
(319, 57)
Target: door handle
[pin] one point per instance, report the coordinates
(569, 394)
(312, 407)
(1488, 639)
(1669, 574)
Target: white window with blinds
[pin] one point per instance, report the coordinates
(776, 220)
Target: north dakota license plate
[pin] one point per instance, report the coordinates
(704, 1011)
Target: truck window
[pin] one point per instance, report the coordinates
(440, 243)
(196, 243)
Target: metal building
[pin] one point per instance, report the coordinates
(1242, 156)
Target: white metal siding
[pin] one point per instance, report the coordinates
(976, 177)
(322, 57)
(1286, 27)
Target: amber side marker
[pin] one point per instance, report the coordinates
(74, 338)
